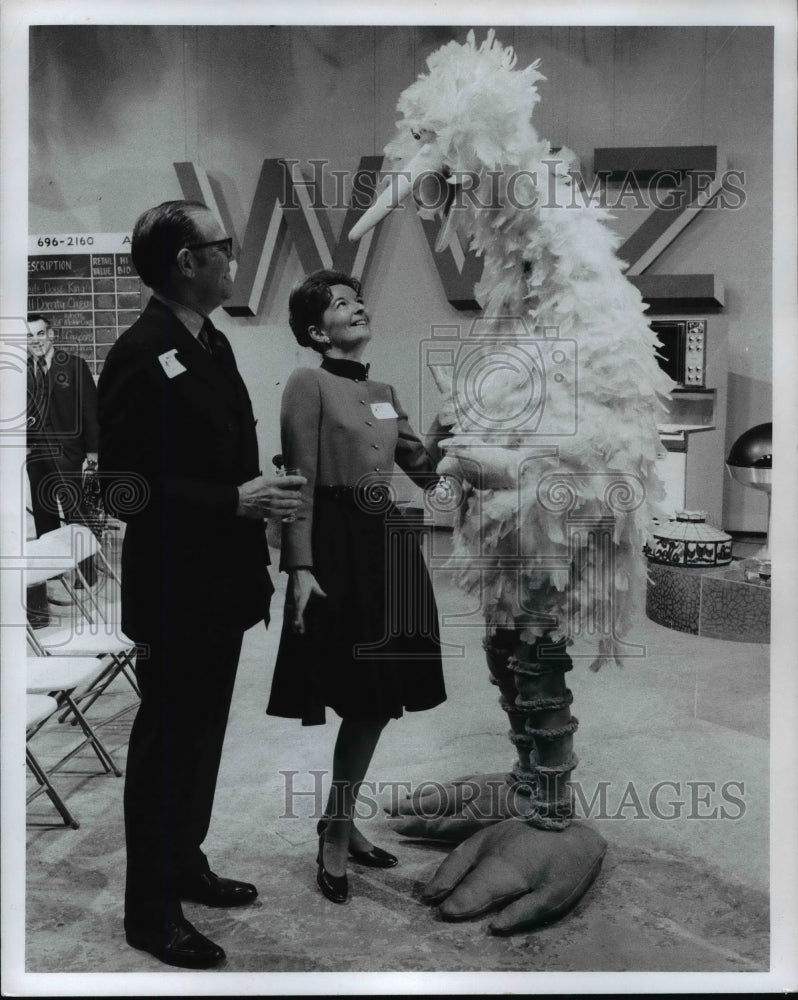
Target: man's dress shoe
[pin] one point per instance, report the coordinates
(212, 890)
(176, 942)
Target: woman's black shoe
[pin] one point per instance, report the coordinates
(375, 858)
(334, 887)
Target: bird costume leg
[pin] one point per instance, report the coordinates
(534, 697)
(533, 694)
(499, 649)
(545, 744)
(455, 810)
(525, 854)
(536, 868)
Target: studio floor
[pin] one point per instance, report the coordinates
(682, 891)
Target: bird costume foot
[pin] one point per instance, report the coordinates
(532, 876)
(453, 811)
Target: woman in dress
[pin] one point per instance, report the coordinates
(360, 631)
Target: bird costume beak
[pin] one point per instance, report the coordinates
(400, 186)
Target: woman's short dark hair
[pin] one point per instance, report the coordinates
(158, 235)
(309, 300)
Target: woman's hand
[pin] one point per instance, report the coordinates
(303, 585)
(439, 433)
(482, 468)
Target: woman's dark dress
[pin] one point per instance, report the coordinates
(371, 647)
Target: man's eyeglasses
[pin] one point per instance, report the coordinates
(225, 245)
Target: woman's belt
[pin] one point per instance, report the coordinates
(370, 497)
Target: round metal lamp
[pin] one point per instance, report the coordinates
(750, 462)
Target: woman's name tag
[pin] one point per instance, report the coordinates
(383, 411)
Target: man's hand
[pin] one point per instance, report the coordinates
(303, 586)
(269, 496)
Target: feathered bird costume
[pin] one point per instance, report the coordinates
(552, 408)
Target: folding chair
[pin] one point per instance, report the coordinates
(59, 554)
(39, 708)
(61, 677)
(55, 555)
(113, 656)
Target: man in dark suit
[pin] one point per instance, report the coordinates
(62, 426)
(62, 436)
(179, 463)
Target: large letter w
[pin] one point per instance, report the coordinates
(285, 206)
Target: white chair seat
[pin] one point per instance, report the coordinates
(60, 673)
(55, 552)
(69, 642)
(72, 541)
(50, 569)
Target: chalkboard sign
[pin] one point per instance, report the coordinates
(86, 286)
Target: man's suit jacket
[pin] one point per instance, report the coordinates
(65, 418)
(177, 436)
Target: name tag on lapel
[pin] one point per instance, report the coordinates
(383, 411)
(170, 364)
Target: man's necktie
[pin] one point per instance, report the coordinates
(214, 343)
(209, 337)
(39, 390)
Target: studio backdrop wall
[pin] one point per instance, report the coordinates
(113, 109)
